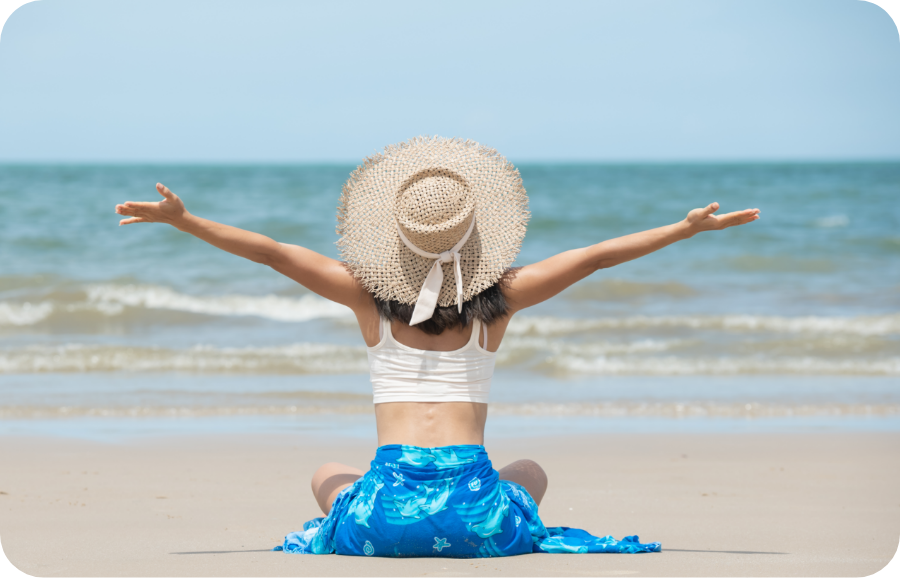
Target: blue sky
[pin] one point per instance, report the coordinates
(279, 81)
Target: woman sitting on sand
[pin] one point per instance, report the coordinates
(429, 230)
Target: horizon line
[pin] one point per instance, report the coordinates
(527, 161)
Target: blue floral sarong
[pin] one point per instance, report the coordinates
(447, 501)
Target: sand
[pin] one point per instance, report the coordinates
(824, 504)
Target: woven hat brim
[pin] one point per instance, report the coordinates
(369, 242)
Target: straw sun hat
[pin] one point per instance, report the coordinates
(432, 221)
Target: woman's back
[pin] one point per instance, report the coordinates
(431, 390)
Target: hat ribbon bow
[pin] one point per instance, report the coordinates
(431, 288)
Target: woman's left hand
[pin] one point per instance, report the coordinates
(169, 210)
(700, 220)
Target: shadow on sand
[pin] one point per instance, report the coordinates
(221, 552)
(664, 550)
(724, 551)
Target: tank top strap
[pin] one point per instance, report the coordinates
(476, 330)
(402, 373)
(384, 327)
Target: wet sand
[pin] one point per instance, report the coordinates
(825, 504)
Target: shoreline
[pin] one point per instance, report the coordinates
(122, 406)
(360, 427)
(742, 503)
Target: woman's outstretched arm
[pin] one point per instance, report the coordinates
(318, 273)
(532, 284)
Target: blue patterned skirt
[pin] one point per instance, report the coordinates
(447, 501)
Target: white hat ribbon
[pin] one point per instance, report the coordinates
(431, 288)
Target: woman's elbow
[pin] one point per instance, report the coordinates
(269, 259)
(271, 256)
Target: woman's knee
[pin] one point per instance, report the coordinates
(325, 471)
(528, 474)
(329, 480)
(535, 471)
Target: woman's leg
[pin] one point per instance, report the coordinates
(329, 480)
(529, 475)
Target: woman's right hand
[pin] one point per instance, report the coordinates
(170, 210)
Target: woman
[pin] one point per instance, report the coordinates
(429, 230)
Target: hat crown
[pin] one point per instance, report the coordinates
(391, 193)
(435, 208)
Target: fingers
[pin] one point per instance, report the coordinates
(132, 209)
(164, 191)
(739, 217)
(143, 212)
(710, 209)
(125, 210)
(140, 205)
(704, 219)
(744, 213)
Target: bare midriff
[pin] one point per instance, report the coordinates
(431, 424)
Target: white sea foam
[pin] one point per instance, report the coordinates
(297, 358)
(522, 349)
(832, 221)
(50, 412)
(109, 300)
(866, 325)
(732, 365)
(697, 408)
(24, 313)
(603, 358)
(669, 409)
(305, 308)
(516, 342)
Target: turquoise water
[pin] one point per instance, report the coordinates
(808, 294)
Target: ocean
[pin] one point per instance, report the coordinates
(792, 321)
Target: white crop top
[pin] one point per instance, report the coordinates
(401, 373)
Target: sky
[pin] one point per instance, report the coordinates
(608, 81)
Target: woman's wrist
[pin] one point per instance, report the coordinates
(185, 222)
(685, 230)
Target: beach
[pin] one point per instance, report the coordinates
(738, 504)
(164, 404)
(734, 394)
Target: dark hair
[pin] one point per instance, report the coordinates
(488, 306)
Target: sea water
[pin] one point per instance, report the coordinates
(792, 319)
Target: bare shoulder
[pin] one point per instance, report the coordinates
(529, 285)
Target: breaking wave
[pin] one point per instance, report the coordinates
(642, 357)
(863, 325)
(105, 301)
(24, 313)
(299, 358)
(730, 365)
(111, 300)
